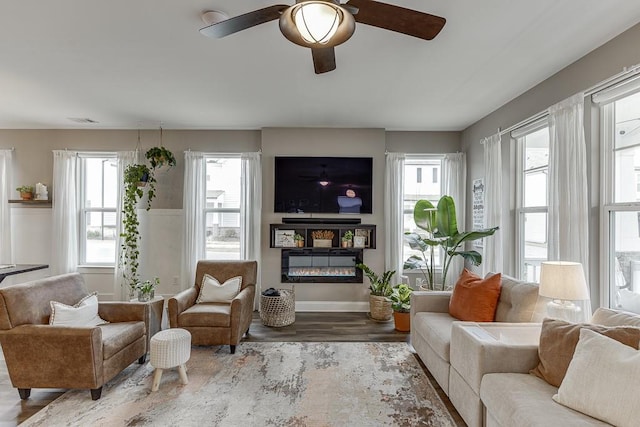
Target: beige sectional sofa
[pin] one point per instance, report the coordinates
(521, 399)
(431, 337)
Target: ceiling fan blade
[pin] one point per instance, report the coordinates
(398, 19)
(324, 59)
(242, 22)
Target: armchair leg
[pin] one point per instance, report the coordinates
(142, 359)
(96, 393)
(233, 349)
(24, 393)
(247, 333)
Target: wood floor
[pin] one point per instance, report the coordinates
(307, 327)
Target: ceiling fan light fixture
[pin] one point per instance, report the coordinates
(317, 24)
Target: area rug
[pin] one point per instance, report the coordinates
(265, 384)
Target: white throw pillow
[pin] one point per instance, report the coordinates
(83, 313)
(602, 380)
(212, 291)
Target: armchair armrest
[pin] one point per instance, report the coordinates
(241, 311)
(179, 303)
(53, 356)
(120, 311)
(432, 301)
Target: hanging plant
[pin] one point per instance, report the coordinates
(134, 175)
(160, 156)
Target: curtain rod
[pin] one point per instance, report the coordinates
(626, 73)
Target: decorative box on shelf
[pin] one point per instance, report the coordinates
(321, 243)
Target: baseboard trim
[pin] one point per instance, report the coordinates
(336, 306)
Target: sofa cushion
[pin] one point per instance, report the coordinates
(213, 291)
(207, 315)
(558, 340)
(609, 317)
(474, 298)
(435, 329)
(83, 313)
(525, 401)
(116, 336)
(517, 302)
(600, 378)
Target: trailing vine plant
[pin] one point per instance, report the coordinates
(137, 178)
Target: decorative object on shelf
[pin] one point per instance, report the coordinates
(401, 303)
(299, 239)
(380, 290)
(322, 238)
(347, 239)
(42, 193)
(365, 242)
(442, 231)
(26, 192)
(137, 179)
(563, 282)
(285, 238)
(146, 289)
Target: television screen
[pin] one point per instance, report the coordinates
(324, 185)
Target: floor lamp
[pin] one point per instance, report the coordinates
(563, 282)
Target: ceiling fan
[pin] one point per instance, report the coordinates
(322, 24)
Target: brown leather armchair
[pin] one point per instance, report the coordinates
(39, 355)
(216, 323)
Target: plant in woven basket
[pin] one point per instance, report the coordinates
(380, 284)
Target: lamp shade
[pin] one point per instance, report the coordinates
(563, 280)
(317, 24)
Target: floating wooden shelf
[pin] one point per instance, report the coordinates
(32, 202)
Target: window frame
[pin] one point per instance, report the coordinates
(521, 211)
(214, 210)
(83, 210)
(440, 183)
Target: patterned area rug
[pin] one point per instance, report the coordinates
(265, 384)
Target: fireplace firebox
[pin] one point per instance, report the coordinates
(321, 266)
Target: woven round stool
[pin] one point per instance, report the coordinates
(170, 348)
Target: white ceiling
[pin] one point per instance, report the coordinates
(142, 63)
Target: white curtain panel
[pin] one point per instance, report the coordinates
(64, 251)
(492, 259)
(193, 204)
(6, 254)
(251, 210)
(393, 212)
(454, 171)
(568, 197)
(124, 159)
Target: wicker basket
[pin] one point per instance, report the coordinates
(278, 311)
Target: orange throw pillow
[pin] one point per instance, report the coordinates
(475, 299)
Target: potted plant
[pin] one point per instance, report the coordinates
(442, 231)
(299, 239)
(401, 303)
(379, 291)
(146, 289)
(347, 239)
(26, 192)
(160, 156)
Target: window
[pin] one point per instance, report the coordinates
(222, 211)
(420, 190)
(620, 124)
(532, 198)
(98, 196)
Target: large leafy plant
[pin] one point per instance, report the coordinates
(441, 229)
(380, 285)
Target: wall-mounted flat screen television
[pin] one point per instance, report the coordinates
(324, 185)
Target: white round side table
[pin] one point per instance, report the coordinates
(170, 348)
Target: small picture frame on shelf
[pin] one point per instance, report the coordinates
(365, 234)
(359, 241)
(285, 239)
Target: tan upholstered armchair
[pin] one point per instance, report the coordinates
(39, 355)
(216, 323)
